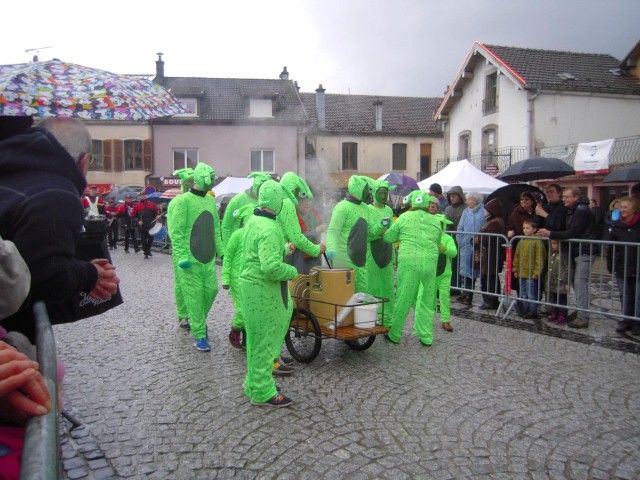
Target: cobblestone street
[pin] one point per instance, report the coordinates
(492, 400)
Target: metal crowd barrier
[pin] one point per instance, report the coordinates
(41, 450)
(592, 288)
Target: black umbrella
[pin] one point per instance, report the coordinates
(537, 169)
(626, 174)
(509, 196)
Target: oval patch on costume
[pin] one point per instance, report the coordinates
(357, 243)
(381, 252)
(203, 240)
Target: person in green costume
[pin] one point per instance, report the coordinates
(248, 197)
(194, 228)
(231, 269)
(419, 234)
(186, 182)
(380, 253)
(266, 300)
(350, 230)
(288, 217)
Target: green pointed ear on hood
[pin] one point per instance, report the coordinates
(258, 179)
(357, 186)
(293, 182)
(408, 200)
(186, 178)
(289, 194)
(444, 221)
(421, 199)
(271, 195)
(203, 176)
(243, 213)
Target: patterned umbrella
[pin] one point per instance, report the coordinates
(404, 183)
(58, 89)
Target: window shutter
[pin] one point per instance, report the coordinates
(107, 155)
(118, 155)
(146, 156)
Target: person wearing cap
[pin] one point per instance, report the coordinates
(419, 234)
(266, 300)
(146, 213)
(93, 204)
(113, 223)
(435, 190)
(182, 310)
(379, 252)
(125, 213)
(194, 227)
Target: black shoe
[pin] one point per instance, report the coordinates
(146, 257)
(487, 306)
(150, 254)
(531, 316)
(579, 323)
(126, 251)
(137, 250)
(623, 327)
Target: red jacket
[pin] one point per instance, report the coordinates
(146, 211)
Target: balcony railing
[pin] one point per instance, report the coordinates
(625, 151)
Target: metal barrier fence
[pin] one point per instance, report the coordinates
(576, 277)
(41, 450)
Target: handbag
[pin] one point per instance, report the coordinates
(15, 279)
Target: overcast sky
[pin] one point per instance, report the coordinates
(379, 47)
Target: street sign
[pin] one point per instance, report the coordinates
(491, 169)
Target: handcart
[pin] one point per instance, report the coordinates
(322, 310)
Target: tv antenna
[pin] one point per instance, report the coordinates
(37, 50)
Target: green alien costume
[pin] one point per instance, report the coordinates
(186, 182)
(419, 234)
(265, 295)
(249, 197)
(448, 250)
(288, 217)
(350, 229)
(380, 253)
(194, 228)
(232, 264)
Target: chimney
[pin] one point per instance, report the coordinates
(377, 105)
(159, 69)
(320, 107)
(295, 84)
(284, 75)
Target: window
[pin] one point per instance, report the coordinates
(184, 158)
(464, 145)
(490, 104)
(349, 156)
(96, 150)
(263, 161)
(260, 108)
(489, 144)
(133, 154)
(191, 104)
(399, 156)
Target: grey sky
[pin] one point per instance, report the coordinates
(385, 47)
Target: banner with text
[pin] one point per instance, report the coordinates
(593, 157)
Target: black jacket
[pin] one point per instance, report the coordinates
(41, 212)
(622, 260)
(557, 218)
(579, 225)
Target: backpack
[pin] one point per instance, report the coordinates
(15, 279)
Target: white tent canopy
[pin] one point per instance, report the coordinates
(464, 174)
(232, 185)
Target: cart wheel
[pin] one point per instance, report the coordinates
(361, 343)
(304, 337)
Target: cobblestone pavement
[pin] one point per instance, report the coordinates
(486, 401)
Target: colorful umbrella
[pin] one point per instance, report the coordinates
(404, 183)
(58, 89)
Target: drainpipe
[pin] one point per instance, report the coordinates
(531, 121)
(320, 107)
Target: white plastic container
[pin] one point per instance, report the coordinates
(366, 315)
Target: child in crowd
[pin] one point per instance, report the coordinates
(557, 283)
(528, 265)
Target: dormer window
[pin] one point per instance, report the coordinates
(192, 106)
(260, 108)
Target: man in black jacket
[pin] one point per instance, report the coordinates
(579, 225)
(554, 213)
(42, 175)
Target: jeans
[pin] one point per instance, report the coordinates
(582, 271)
(529, 291)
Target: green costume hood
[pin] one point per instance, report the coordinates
(421, 199)
(258, 179)
(293, 182)
(203, 176)
(272, 194)
(357, 186)
(380, 185)
(408, 200)
(186, 178)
